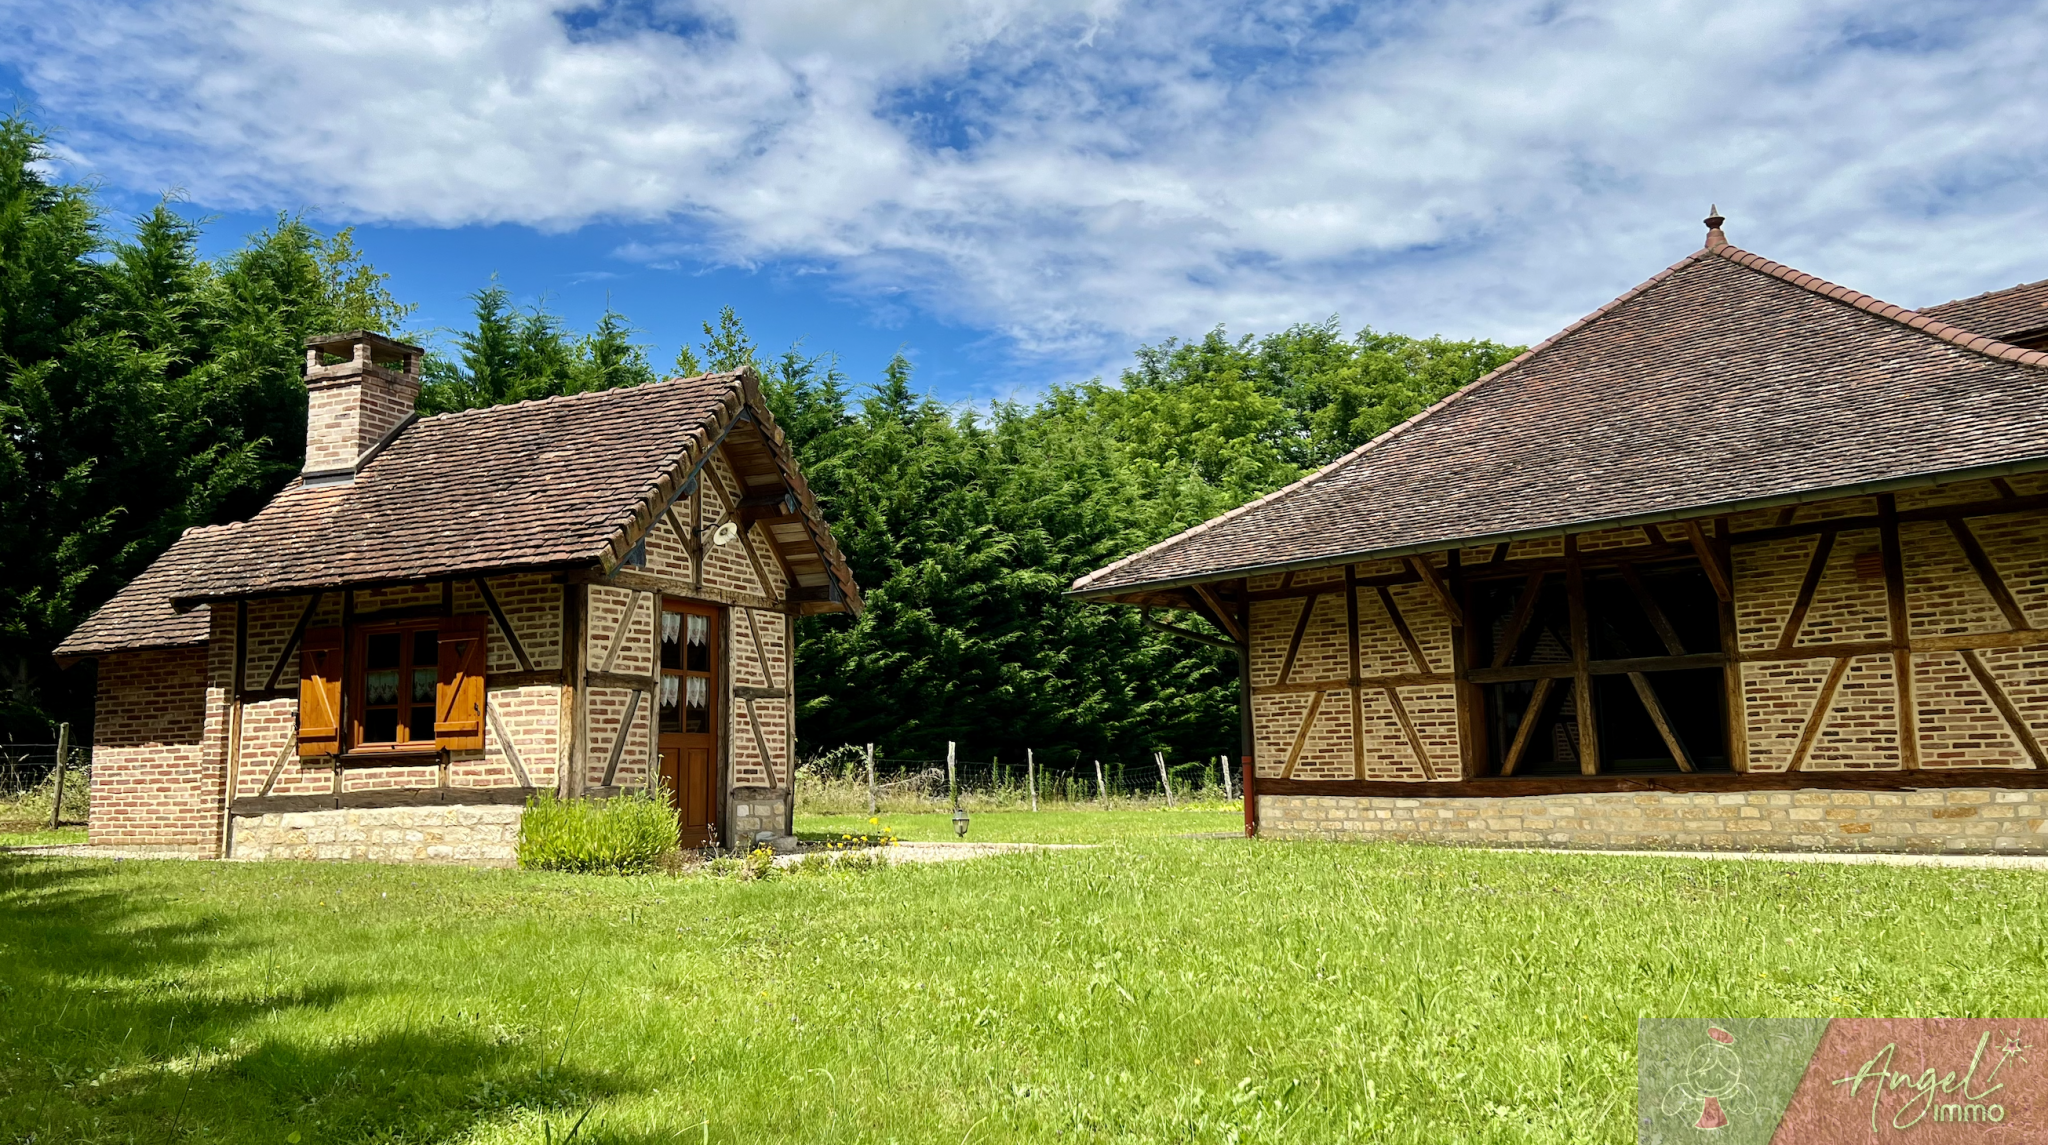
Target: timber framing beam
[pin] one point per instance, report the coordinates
(1225, 617)
(1403, 680)
(383, 797)
(483, 588)
(1434, 582)
(1900, 625)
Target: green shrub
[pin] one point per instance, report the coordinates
(623, 835)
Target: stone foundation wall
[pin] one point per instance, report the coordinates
(1958, 820)
(486, 836)
(757, 809)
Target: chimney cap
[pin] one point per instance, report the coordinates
(1714, 220)
(347, 340)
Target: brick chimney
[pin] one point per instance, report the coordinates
(362, 389)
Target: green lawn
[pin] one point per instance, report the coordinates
(1150, 990)
(1034, 826)
(18, 834)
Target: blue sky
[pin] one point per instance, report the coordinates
(1020, 193)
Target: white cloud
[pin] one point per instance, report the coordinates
(1080, 173)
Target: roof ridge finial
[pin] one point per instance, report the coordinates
(1714, 220)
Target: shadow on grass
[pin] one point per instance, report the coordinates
(117, 1025)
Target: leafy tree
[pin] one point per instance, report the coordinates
(510, 355)
(142, 391)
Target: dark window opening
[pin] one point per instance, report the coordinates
(1633, 613)
(401, 673)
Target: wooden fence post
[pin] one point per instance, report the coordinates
(63, 751)
(952, 784)
(871, 780)
(1101, 788)
(1031, 776)
(1159, 757)
(1223, 764)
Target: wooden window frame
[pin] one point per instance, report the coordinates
(711, 674)
(354, 750)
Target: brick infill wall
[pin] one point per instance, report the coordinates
(482, 836)
(1950, 820)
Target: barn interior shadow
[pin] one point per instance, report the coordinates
(116, 1026)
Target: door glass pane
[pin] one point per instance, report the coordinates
(671, 639)
(671, 694)
(697, 705)
(699, 652)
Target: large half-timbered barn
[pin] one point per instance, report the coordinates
(1742, 559)
(443, 615)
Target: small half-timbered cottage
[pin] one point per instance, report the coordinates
(444, 615)
(1742, 559)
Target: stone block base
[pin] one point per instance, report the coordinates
(1955, 820)
(755, 810)
(473, 836)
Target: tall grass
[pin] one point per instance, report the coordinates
(1162, 990)
(25, 814)
(836, 784)
(623, 835)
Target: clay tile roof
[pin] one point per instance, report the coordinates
(557, 483)
(140, 615)
(2004, 314)
(1725, 380)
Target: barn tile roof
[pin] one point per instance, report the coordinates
(1726, 379)
(562, 482)
(140, 615)
(2012, 313)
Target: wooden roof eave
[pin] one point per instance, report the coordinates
(1134, 594)
(745, 404)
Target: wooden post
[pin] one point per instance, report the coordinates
(1582, 678)
(952, 783)
(63, 751)
(1159, 757)
(1251, 799)
(1893, 560)
(1223, 766)
(871, 779)
(1246, 739)
(232, 765)
(1031, 775)
(570, 757)
(1101, 788)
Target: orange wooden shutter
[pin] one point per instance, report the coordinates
(320, 693)
(459, 707)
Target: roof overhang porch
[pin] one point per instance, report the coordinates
(1178, 592)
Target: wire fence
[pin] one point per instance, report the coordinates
(839, 781)
(30, 786)
(24, 766)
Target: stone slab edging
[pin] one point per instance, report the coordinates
(1842, 858)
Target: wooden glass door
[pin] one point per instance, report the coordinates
(690, 718)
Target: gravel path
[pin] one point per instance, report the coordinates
(938, 852)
